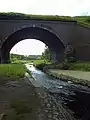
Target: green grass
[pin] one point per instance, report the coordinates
(40, 62)
(82, 66)
(20, 16)
(81, 20)
(12, 70)
(35, 62)
(20, 61)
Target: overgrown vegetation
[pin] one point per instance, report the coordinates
(45, 58)
(12, 71)
(82, 66)
(36, 62)
(41, 66)
(21, 59)
(36, 59)
(82, 20)
(19, 16)
(16, 58)
(46, 55)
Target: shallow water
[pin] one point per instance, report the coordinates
(75, 97)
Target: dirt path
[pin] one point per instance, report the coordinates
(20, 100)
(75, 74)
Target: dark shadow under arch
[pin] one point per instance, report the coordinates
(47, 37)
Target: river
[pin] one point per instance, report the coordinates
(75, 97)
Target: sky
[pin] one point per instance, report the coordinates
(51, 7)
(28, 47)
(45, 7)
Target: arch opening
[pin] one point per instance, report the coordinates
(50, 39)
(28, 47)
(30, 50)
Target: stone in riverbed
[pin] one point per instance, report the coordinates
(50, 115)
(48, 105)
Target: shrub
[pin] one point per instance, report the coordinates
(65, 66)
(71, 60)
(41, 66)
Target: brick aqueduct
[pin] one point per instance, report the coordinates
(58, 35)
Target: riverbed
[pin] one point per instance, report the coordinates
(72, 96)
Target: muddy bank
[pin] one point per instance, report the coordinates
(18, 100)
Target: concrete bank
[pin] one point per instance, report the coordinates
(79, 77)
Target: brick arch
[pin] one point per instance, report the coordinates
(44, 35)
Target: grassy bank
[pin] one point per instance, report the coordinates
(42, 65)
(19, 62)
(80, 66)
(35, 62)
(19, 100)
(12, 71)
(81, 20)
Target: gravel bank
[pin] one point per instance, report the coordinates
(51, 109)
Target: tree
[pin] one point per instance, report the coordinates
(14, 57)
(46, 54)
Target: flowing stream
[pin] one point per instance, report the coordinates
(75, 97)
